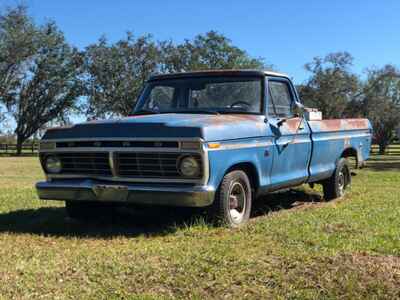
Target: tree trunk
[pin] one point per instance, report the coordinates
(20, 141)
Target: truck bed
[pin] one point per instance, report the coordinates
(331, 138)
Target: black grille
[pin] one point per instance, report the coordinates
(90, 163)
(144, 164)
(127, 164)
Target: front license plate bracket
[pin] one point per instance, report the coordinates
(111, 193)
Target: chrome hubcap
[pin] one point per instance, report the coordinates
(237, 202)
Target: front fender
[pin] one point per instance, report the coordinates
(222, 160)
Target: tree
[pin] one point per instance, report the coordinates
(116, 73)
(2, 119)
(205, 52)
(39, 79)
(10, 57)
(331, 85)
(380, 103)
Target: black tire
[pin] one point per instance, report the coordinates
(233, 194)
(89, 211)
(335, 186)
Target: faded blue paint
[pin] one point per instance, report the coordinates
(289, 159)
(329, 145)
(289, 154)
(260, 157)
(207, 127)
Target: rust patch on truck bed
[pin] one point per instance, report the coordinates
(339, 124)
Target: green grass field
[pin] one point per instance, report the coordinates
(295, 247)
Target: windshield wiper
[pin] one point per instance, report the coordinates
(191, 111)
(240, 112)
(194, 111)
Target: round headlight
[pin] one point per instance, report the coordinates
(189, 167)
(53, 164)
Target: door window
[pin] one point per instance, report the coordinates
(280, 99)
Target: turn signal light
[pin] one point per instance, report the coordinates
(214, 145)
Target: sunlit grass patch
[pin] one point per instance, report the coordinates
(296, 245)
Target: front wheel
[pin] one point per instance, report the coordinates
(232, 204)
(336, 185)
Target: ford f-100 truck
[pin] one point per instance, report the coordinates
(213, 139)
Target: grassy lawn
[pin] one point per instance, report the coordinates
(296, 246)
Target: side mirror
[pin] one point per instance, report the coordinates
(298, 109)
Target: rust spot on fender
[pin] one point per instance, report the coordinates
(292, 125)
(226, 119)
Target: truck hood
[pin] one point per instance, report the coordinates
(205, 126)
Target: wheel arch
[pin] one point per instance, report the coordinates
(251, 171)
(351, 152)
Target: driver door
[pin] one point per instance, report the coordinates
(292, 140)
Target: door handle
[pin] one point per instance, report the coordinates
(285, 145)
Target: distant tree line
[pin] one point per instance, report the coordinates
(44, 80)
(338, 93)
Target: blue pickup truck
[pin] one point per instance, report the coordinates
(212, 139)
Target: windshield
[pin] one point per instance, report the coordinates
(202, 95)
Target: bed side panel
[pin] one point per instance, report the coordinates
(331, 138)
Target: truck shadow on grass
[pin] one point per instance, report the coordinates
(290, 199)
(151, 221)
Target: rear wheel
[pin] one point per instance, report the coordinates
(232, 204)
(337, 184)
(89, 211)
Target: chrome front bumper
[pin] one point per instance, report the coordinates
(93, 190)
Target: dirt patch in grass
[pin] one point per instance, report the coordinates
(385, 268)
(349, 276)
